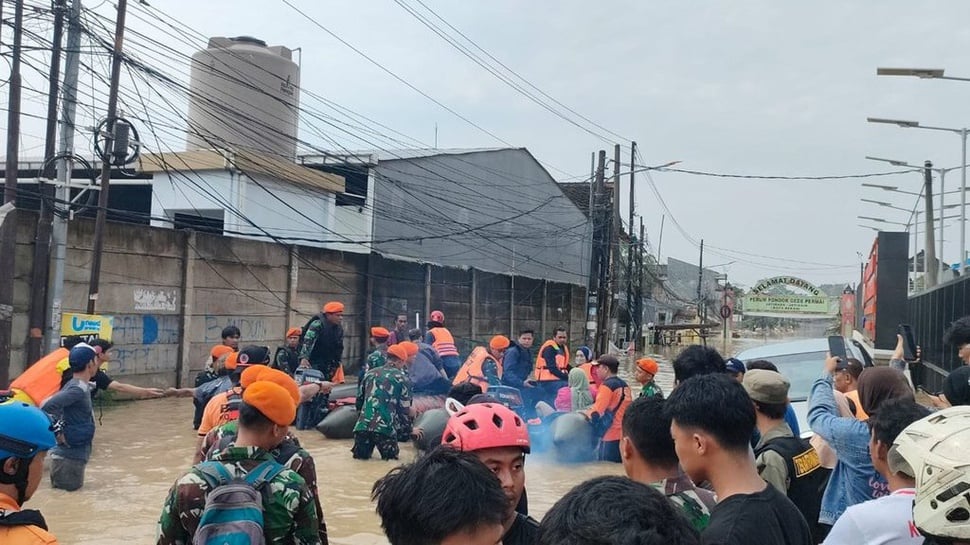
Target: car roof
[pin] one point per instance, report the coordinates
(802, 346)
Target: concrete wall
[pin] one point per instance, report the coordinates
(170, 293)
(495, 211)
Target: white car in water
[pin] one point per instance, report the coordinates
(801, 362)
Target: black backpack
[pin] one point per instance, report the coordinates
(807, 478)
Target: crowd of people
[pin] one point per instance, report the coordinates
(719, 460)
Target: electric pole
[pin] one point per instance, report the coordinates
(42, 238)
(106, 157)
(8, 230)
(700, 284)
(65, 166)
(631, 324)
(616, 233)
(930, 266)
(638, 304)
(597, 272)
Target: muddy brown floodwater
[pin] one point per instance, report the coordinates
(142, 447)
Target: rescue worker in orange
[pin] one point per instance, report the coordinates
(26, 434)
(552, 366)
(443, 342)
(606, 414)
(484, 366)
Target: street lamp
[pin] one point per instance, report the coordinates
(921, 73)
(938, 74)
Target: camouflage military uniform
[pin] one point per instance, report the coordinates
(695, 503)
(384, 401)
(288, 513)
(289, 453)
(651, 389)
(376, 359)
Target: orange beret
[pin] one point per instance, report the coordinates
(398, 352)
(251, 375)
(379, 332)
(499, 342)
(219, 350)
(294, 332)
(269, 374)
(333, 307)
(411, 348)
(232, 360)
(648, 365)
(272, 400)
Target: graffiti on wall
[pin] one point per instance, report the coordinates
(144, 343)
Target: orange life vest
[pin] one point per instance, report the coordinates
(42, 379)
(443, 343)
(472, 370)
(588, 369)
(859, 413)
(562, 361)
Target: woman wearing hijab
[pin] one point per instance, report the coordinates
(583, 359)
(578, 395)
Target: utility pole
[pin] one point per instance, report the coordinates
(42, 238)
(631, 325)
(106, 157)
(929, 262)
(700, 283)
(8, 230)
(65, 166)
(616, 233)
(591, 283)
(597, 269)
(638, 304)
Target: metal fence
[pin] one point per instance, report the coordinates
(931, 313)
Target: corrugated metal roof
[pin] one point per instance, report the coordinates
(415, 153)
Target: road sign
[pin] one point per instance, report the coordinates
(725, 312)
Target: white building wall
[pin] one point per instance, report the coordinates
(294, 213)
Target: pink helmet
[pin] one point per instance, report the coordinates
(485, 425)
(437, 316)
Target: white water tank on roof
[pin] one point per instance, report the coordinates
(245, 95)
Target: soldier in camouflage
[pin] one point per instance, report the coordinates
(289, 453)
(384, 403)
(648, 455)
(289, 516)
(377, 358)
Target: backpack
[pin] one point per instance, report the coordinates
(319, 316)
(807, 478)
(233, 512)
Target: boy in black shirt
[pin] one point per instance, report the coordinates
(712, 422)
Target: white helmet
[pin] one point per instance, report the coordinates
(936, 448)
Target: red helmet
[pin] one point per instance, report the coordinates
(485, 425)
(437, 316)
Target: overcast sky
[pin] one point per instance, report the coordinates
(747, 87)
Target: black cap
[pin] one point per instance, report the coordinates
(253, 355)
(956, 387)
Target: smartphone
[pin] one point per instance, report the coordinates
(837, 347)
(909, 341)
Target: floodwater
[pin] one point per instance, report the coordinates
(142, 447)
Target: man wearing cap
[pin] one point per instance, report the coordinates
(72, 407)
(287, 357)
(443, 342)
(377, 358)
(323, 343)
(484, 366)
(788, 463)
(384, 406)
(224, 406)
(846, 380)
(612, 398)
(289, 515)
(288, 453)
(646, 371)
(735, 368)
